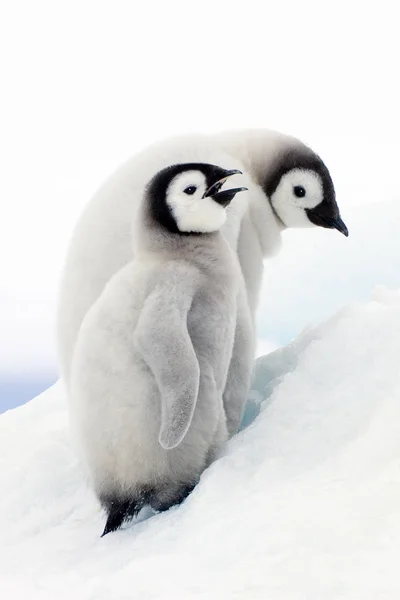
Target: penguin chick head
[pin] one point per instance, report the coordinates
(187, 198)
(301, 192)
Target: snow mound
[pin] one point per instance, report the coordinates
(304, 503)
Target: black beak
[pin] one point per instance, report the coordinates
(338, 224)
(318, 218)
(225, 196)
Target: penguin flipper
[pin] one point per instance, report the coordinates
(167, 348)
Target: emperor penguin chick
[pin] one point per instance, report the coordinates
(153, 352)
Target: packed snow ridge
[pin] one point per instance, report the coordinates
(304, 503)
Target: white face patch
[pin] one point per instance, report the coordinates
(297, 190)
(190, 210)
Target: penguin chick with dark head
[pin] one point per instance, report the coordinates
(301, 192)
(153, 352)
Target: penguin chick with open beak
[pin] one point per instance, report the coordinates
(153, 353)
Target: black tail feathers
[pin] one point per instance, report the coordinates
(119, 511)
(122, 509)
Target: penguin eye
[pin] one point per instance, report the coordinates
(299, 191)
(190, 190)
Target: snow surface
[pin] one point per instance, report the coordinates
(304, 504)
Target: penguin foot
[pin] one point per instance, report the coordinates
(163, 501)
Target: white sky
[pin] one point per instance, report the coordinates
(85, 84)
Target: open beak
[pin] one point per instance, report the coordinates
(225, 196)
